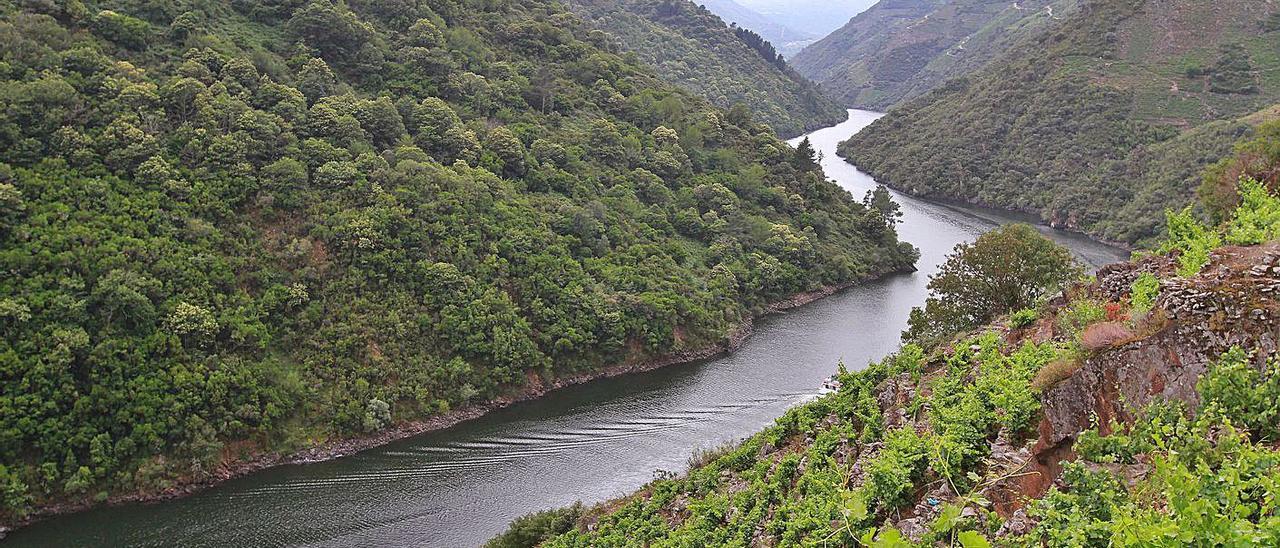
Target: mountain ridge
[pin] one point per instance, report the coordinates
(901, 49)
(692, 47)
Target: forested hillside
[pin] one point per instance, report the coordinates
(231, 228)
(1098, 125)
(1028, 407)
(692, 47)
(900, 49)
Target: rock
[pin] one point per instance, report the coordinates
(1018, 524)
(766, 449)
(912, 528)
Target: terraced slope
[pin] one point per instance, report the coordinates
(900, 49)
(1097, 125)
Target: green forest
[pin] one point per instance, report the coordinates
(693, 48)
(230, 228)
(1096, 125)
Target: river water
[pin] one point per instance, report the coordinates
(461, 486)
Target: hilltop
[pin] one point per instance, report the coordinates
(900, 49)
(236, 231)
(694, 48)
(1097, 124)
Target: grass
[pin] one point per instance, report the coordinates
(1055, 372)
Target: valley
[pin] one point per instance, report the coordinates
(461, 486)
(614, 273)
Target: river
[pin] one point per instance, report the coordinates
(461, 486)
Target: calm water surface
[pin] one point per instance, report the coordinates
(461, 486)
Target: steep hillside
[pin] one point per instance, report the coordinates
(900, 49)
(1137, 408)
(234, 231)
(789, 41)
(694, 48)
(1097, 126)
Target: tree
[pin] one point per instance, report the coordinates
(129, 32)
(805, 157)
(1006, 269)
(316, 79)
(503, 143)
(377, 415)
(881, 202)
(11, 205)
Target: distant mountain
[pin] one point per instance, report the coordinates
(819, 17)
(787, 40)
(691, 46)
(899, 49)
(1098, 124)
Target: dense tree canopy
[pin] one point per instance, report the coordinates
(1005, 270)
(232, 227)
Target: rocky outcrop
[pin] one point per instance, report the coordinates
(1234, 301)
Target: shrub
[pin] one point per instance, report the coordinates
(1104, 335)
(892, 475)
(1023, 318)
(1143, 293)
(1192, 239)
(1257, 219)
(1244, 393)
(533, 529)
(1081, 314)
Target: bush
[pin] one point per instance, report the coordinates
(1246, 394)
(533, 529)
(1191, 239)
(1081, 314)
(1257, 219)
(892, 475)
(1023, 318)
(1143, 293)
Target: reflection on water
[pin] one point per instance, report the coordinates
(460, 486)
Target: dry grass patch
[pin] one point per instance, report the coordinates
(1055, 372)
(1101, 336)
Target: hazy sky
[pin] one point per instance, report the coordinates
(820, 17)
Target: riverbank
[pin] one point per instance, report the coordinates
(1029, 215)
(535, 389)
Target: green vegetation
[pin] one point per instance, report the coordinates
(916, 450)
(1256, 158)
(231, 228)
(809, 495)
(534, 528)
(689, 45)
(1209, 485)
(1096, 125)
(896, 51)
(1145, 289)
(1005, 270)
